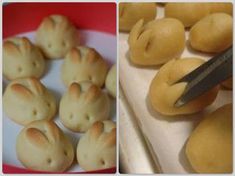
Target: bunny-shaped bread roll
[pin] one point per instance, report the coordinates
(56, 35)
(82, 105)
(26, 100)
(97, 147)
(42, 146)
(156, 42)
(164, 92)
(22, 59)
(83, 64)
(130, 13)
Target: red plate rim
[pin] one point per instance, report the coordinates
(92, 16)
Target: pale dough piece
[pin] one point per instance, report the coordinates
(22, 59)
(210, 147)
(56, 35)
(111, 81)
(130, 13)
(221, 7)
(156, 42)
(96, 149)
(42, 146)
(164, 93)
(83, 64)
(218, 28)
(27, 99)
(82, 105)
(187, 13)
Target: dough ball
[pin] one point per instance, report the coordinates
(96, 149)
(56, 35)
(82, 105)
(164, 92)
(27, 99)
(221, 7)
(210, 147)
(156, 42)
(187, 13)
(83, 64)
(111, 80)
(130, 13)
(22, 59)
(213, 33)
(42, 146)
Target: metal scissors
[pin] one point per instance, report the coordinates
(207, 76)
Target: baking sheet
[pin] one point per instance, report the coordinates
(166, 136)
(105, 44)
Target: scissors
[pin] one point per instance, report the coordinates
(206, 76)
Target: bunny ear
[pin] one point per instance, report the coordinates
(21, 91)
(74, 55)
(37, 137)
(135, 32)
(96, 130)
(75, 90)
(110, 138)
(36, 86)
(10, 47)
(92, 56)
(53, 131)
(144, 39)
(25, 45)
(92, 93)
(48, 23)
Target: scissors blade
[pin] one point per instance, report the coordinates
(207, 76)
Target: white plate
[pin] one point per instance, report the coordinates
(105, 44)
(166, 136)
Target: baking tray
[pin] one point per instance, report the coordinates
(97, 30)
(165, 137)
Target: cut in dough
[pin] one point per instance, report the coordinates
(164, 93)
(156, 42)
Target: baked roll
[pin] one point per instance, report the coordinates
(210, 147)
(96, 149)
(56, 35)
(187, 13)
(130, 13)
(111, 81)
(84, 64)
(22, 59)
(164, 92)
(42, 146)
(218, 28)
(27, 99)
(156, 42)
(82, 105)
